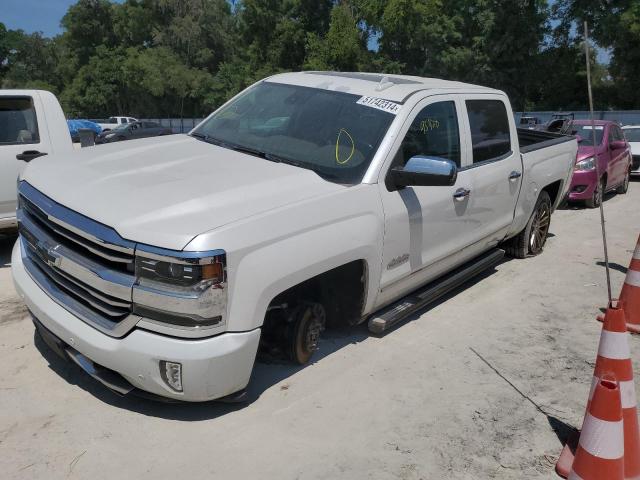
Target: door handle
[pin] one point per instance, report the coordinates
(461, 194)
(29, 155)
(514, 175)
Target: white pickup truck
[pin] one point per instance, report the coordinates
(309, 199)
(32, 125)
(112, 122)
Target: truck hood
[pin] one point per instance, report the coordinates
(164, 191)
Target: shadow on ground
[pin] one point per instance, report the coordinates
(579, 205)
(613, 266)
(6, 245)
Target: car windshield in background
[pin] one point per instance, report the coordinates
(325, 131)
(632, 134)
(586, 134)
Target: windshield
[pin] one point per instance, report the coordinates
(632, 134)
(324, 131)
(586, 132)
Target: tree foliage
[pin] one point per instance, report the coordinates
(186, 57)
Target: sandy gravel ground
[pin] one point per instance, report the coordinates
(485, 384)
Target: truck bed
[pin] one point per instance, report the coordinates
(547, 160)
(531, 140)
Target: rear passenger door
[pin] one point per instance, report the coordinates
(495, 168)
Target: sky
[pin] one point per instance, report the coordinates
(34, 15)
(45, 15)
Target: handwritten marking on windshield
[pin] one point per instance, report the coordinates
(429, 124)
(353, 148)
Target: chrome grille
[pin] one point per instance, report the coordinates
(83, 265)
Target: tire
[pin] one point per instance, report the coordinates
(306, 323)
(532, 239)
(624, 186)
(598, 195)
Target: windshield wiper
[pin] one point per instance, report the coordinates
(261, 154)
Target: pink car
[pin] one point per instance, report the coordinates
(613, 156)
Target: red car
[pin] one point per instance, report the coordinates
(602, 168)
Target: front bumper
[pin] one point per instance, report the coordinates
(212, 368)
(583, 184)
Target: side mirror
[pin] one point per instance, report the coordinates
(424, 172)
(579, 138)
(618, 145)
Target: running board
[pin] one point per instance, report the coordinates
(396, 312)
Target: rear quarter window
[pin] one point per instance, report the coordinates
(18, 122)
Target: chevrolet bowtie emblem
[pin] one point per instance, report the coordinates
(47, 254)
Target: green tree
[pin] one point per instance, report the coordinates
(342, 48)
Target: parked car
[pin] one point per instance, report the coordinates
(130, 131)
(632, 134)
(112, 122)
(76, 125)
(32, 124)
(603, 168)
(528, 122)
(309, 199)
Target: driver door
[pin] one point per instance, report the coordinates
(428, 229)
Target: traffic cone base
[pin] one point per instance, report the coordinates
(600, 452)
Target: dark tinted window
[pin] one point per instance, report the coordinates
(18, 123)
(433, 133)
(489, 124)
(617, 133)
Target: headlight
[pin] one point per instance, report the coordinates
(586, 164)
(186, 290)
(110, 135)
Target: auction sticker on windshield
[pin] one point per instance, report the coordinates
(380, 104)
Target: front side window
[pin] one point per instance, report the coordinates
(325, 131)
(18, 123)
(433, 133)
(490, 134)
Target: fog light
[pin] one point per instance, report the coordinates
(171, 373)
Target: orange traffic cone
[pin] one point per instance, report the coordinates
(614, 359)
(630, 294)
(600, 452)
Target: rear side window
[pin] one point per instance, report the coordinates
(18, 123)
(433, 133)
(490, 134)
